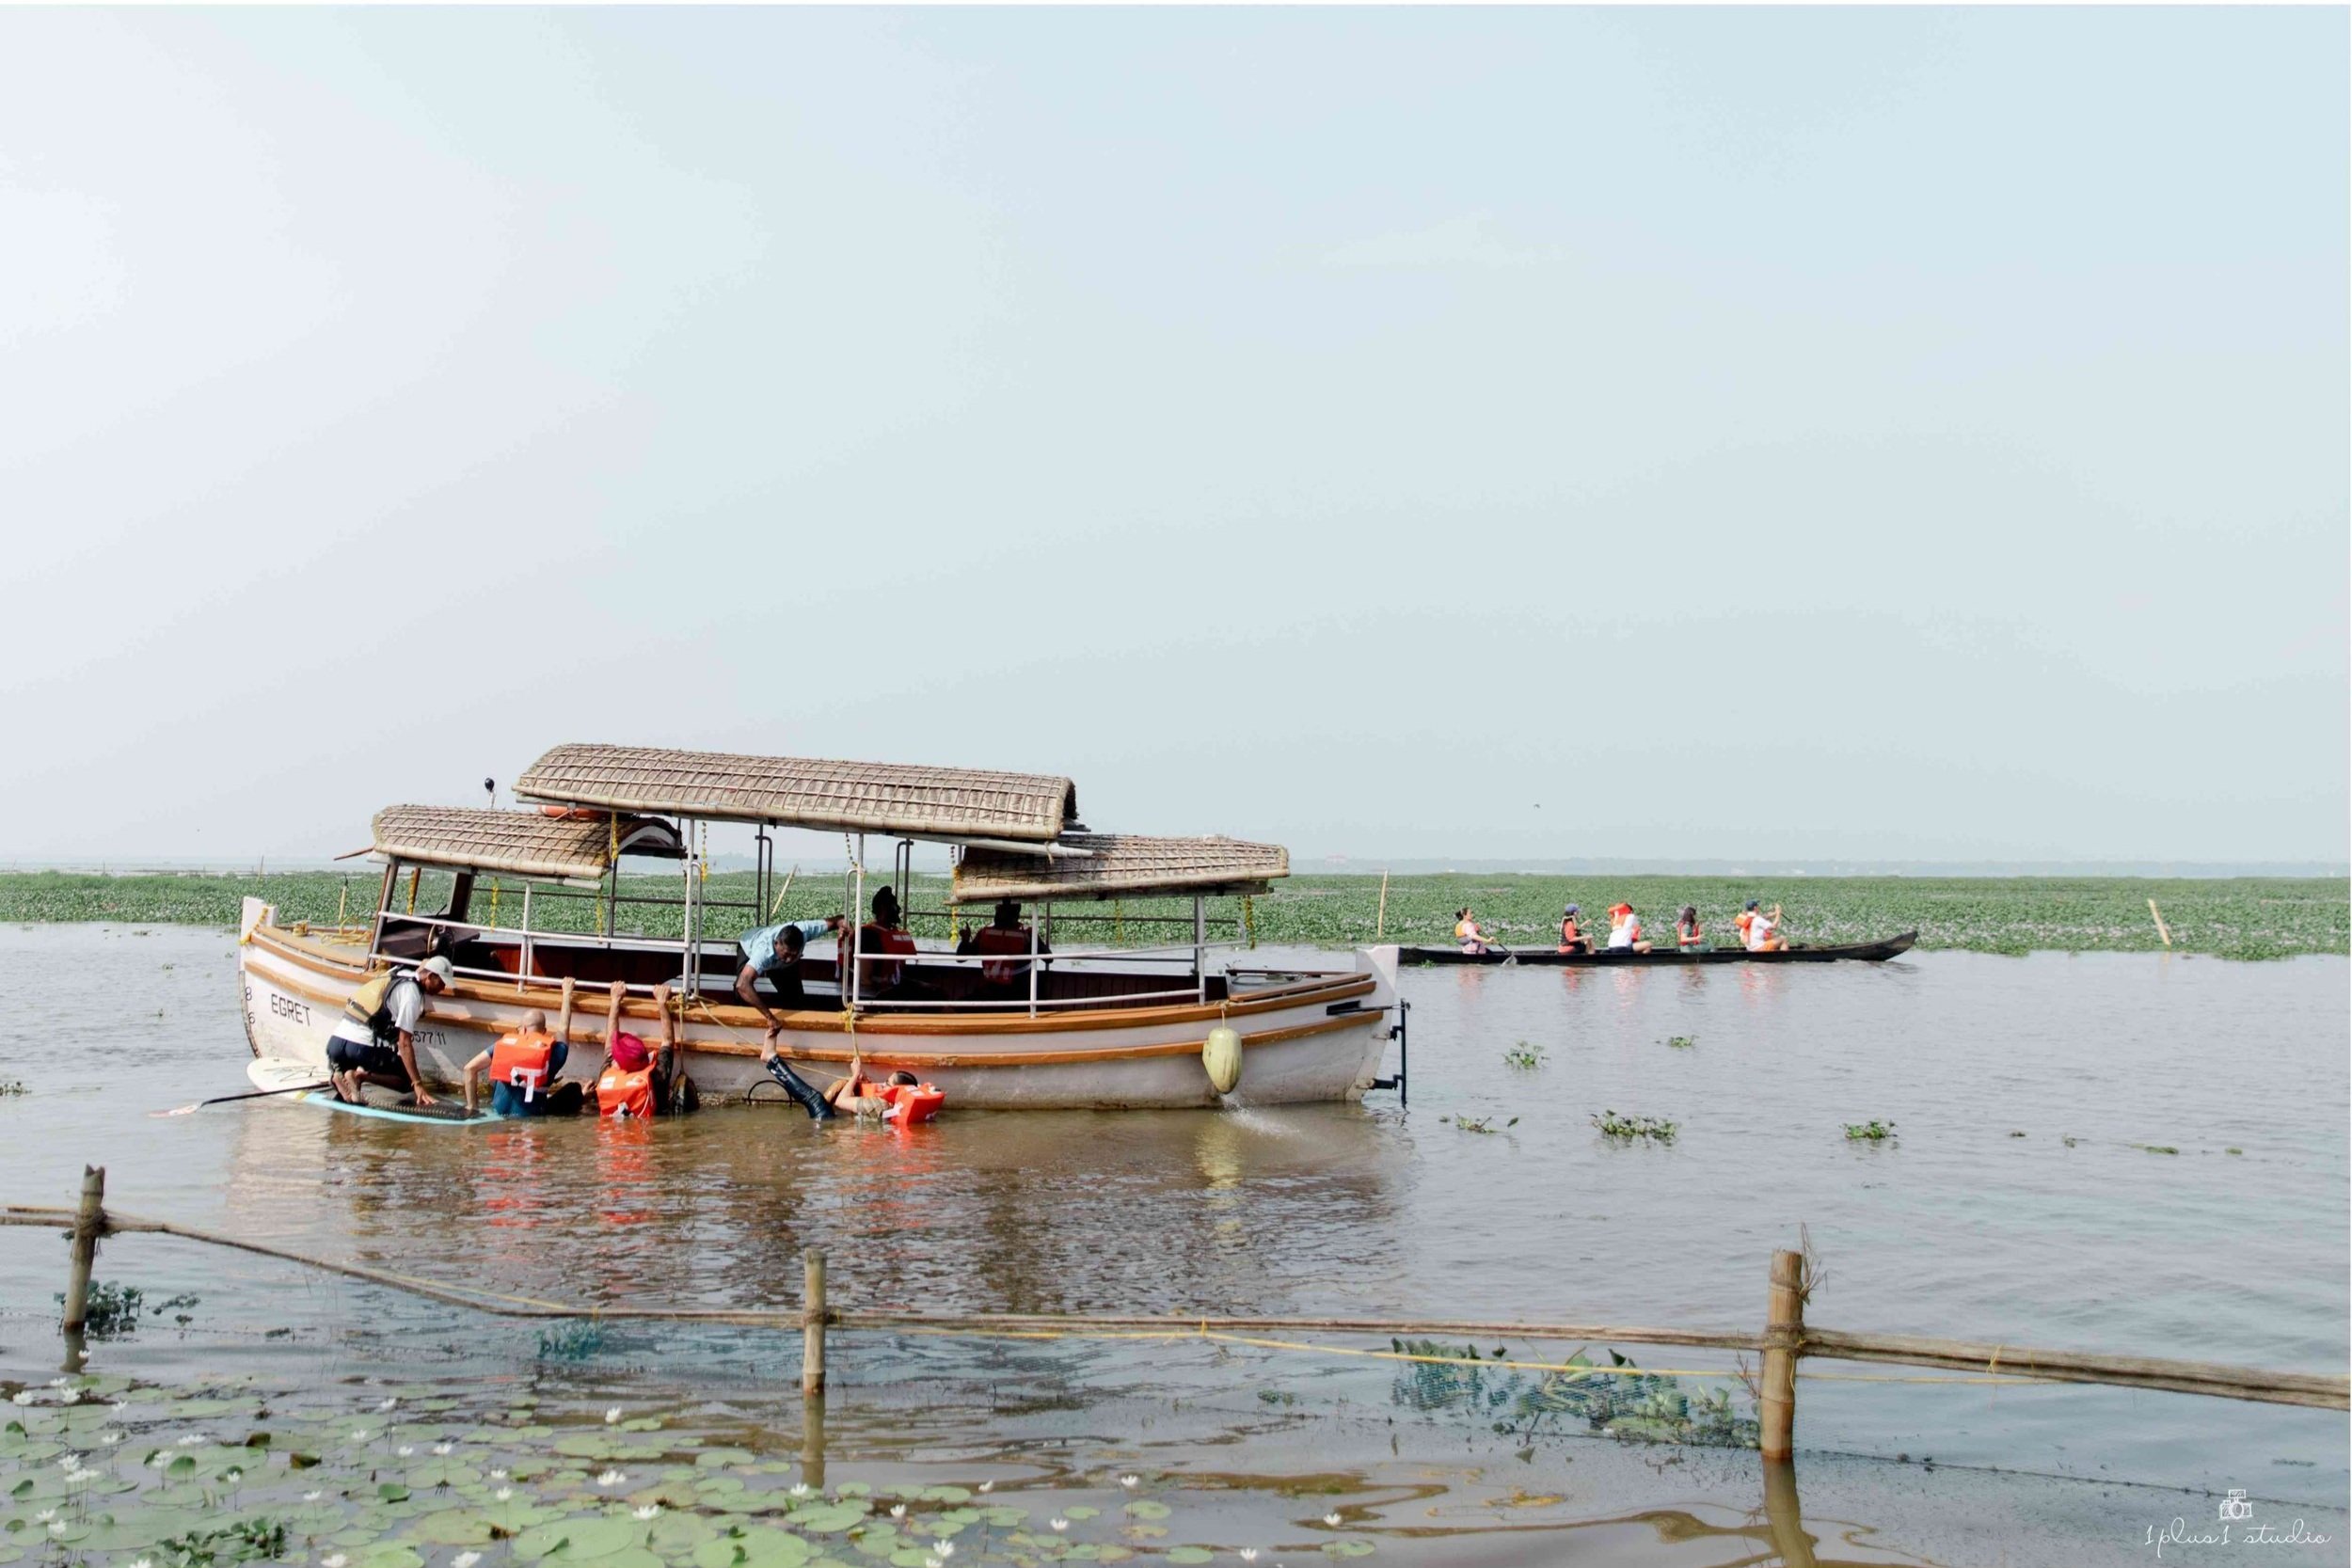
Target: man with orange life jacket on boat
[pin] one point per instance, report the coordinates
(1760, 932)
(1572, 937)
(1002, 975)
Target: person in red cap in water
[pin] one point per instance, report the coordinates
(634, 1080)
(1625, 930)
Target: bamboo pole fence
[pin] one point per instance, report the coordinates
(1783, 1340)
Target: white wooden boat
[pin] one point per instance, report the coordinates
(1106, 1029)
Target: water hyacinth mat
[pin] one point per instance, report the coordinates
(102, 1470)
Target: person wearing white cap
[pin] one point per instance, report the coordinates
(375, 1042)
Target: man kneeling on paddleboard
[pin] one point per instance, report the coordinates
(375, 1040)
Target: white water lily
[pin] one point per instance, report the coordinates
(800, 1489)
(333, 1559)
(1130, 1482)
(59, 1382)
(944, 1546)
(611, 1477)
(498, 1475)
(1332, 1519)
(71, 1462)
(406, 1449)
(233, 1476)
(504, 1493)
(71, 1396)
(23, 1397)
(651, 1511)
(192, 1439)
(143, 1562)
(1057, 1524)
(358, 1434)
(988, 1486)
(44, 1515)
(58, 1526)
(110, 1438)
(612, 1415)
(443, 1448)
(465, 1559)
(1248, 1553)
(897, 1510)
(389, 1404)
(312, 1497)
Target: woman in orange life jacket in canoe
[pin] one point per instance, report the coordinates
(635, 1081)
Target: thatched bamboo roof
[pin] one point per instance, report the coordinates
(1119, 865)
(950, 804)
(527, 843)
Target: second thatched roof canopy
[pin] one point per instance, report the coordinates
(950, 804)
(526, 842)
(1119, 865)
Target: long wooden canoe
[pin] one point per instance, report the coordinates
(1870, 952)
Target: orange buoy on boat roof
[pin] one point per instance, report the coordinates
(574, 814)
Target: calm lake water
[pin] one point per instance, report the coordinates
(2074, 1234)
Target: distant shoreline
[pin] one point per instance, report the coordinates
(2243, 917)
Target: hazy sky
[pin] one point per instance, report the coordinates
(1480, 432)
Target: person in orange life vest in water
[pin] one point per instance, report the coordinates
(524, 1067)
(635, 1081)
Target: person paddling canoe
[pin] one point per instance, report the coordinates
(1466, 931)
(1760, 932)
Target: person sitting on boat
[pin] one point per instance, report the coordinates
(1688, 937)
(636, 1081)
(1762, 931)
(772, 953)
(1572, 937)
(1004, 935)
(885, 933)
(1625, 930)
(524, 1066)
(375, 1040)
(1466, 931)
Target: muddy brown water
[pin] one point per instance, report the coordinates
(2077, 1233)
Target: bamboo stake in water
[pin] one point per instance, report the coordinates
(1784, 1327)
(2159, 919)
(87, 1222)
(1380, 923)
(813, 1322)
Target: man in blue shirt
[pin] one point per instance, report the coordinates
(772, 953)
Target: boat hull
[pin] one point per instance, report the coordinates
(1305, 1038)
(1867, 951)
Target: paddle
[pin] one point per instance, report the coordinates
(250, 1094)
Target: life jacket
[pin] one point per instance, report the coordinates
(371, 1005)
(1741, 921)
(1686, 936)
(521, 1059)
(877, 973)
(621, 1093)
(1569, 933)
(997, 939)
(909, 1102)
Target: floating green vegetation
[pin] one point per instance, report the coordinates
(571, 1341)
(2236, 917)
(1878, 1131)
(111, 1309)
(1681, 1042)
(1655, 1129)
(1524, 1055)
(2017, 1135)
(97, 1469)
(1478, 1124)
(2156, 1148)
(1618, 1399)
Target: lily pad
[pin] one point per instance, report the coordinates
(759, 1546)
(1144, 1508)
(576, 1540)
